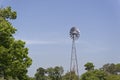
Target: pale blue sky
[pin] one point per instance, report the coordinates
(45, 25)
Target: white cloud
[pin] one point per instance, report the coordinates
(45, 42)
(34, 42)
(85, 46)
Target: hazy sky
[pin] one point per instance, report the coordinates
(45, 25)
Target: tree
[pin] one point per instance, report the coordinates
(89, 66)
(52, 73)
(111, 68)
(94, 75)
(113, 77)
(117, 66)
(55, 73)
(40, 75)
(68, 77)
(14, 59)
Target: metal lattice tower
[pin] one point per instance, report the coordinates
(74, 34)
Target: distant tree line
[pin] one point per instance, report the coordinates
(107, 72)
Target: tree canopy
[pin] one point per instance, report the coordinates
(111, 68)
(89, 66)
(14, 59)
(107, 72)
(49, 73)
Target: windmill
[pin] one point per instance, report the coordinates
(74, 35)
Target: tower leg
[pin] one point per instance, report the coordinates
(73, 63)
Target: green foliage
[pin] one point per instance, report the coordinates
(111, 68)
(55, 73)
(107, 72)
(94, 75)
(7, 13)
(113, 77)
(89, 66)
(70, 76)
(31, 78)
(14, 59)
(40, 74)
(49, 73)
